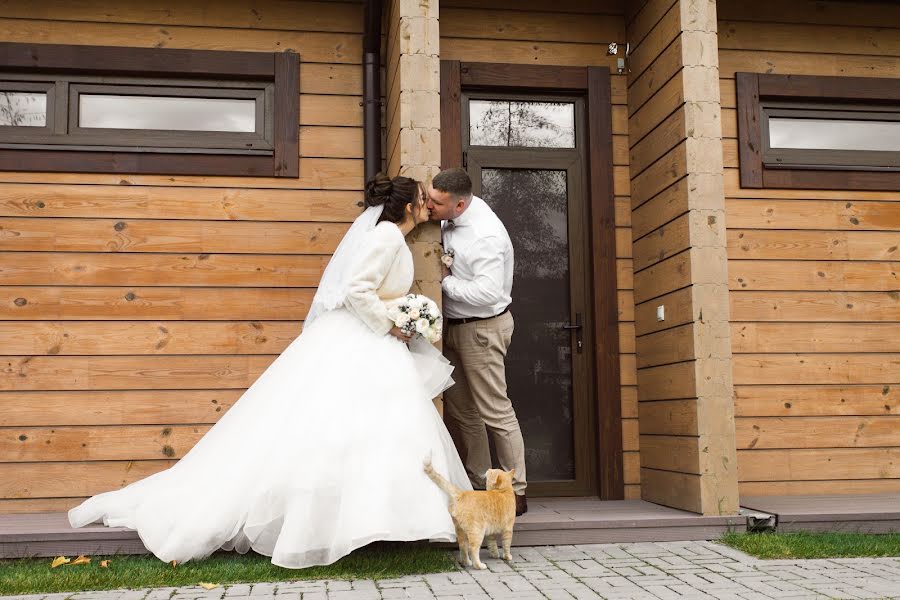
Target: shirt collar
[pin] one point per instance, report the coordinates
(467, 216)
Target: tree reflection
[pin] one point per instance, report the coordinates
(23, 109)
(523, 124)
(533, 205)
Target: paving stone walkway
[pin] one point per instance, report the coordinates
(645, 571)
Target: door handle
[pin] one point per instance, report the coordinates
(578, 328)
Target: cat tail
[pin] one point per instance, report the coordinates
(448, 488)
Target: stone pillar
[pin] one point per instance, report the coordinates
(412, 118)
(686, 409)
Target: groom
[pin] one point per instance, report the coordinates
(477, 287)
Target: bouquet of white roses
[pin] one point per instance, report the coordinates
(415, 313)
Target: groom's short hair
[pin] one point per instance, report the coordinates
(453, 181)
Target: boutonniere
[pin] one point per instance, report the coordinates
(447, 257)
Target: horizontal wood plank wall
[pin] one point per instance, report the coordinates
(813, 274)
(683, 361)
(391, 58)
(575, 33)
(134, 310)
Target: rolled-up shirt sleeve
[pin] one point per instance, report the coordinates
(486, 289)
(367, 276)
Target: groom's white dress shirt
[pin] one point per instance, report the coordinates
(480, 284)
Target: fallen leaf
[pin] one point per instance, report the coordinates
(81, 560)
(208, 586)
(104, 563)
(59, 560)
(173, 563)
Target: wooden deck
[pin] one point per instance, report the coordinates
(877, 513)
(593, 521)
(548, 521)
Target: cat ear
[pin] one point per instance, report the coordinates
(512, 473)
(490, 478)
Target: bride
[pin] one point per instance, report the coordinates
(323, 453)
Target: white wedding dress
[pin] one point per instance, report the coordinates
(323, 453)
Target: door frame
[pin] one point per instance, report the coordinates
(572, 161)
(593, 83)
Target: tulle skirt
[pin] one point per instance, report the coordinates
(322, 455)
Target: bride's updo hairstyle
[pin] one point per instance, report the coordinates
(394, 194)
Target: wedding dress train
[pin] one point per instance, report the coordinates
(321, 455)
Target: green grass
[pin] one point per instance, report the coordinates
(814, 545)
(379, 560)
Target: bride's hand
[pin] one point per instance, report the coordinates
(400, 334)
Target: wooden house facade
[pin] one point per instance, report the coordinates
(733, 311)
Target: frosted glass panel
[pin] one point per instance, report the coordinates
(23, 109)
(168, 113)
(523, 124)
(533, 205)
(834, 134)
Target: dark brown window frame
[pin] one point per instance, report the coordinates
(275, 153)
(593, 83)
(757, 90)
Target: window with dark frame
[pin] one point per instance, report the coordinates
(142, 110)
(818, 132)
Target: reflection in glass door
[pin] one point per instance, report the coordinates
(525, 157)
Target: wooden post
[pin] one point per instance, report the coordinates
(688, 457)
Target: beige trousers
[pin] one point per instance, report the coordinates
(477, 405)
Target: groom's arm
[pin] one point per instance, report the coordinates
(486, 288)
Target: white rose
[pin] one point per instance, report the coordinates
(414, 314)
(401, 320)
(422, 325)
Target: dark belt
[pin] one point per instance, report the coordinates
(465, 320)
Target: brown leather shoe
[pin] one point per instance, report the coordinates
(521, 505)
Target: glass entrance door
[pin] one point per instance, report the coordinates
(525, 156)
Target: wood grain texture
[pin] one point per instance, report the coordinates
(123, 442)
(26, 268)
(136, 309)
(63, 480)
(838, 368)
(126, 235)
(75, 303)
(605, 280)
(816, 432)
(321, 47)
(94, 408)
(501, 24)
(815, 337)
(237, 204)
(786, 400)
(812, 464)
(131, 372)
(92, 338)
(814, 306)
(814, 245)
(813, 275)
(315, 174)
(263, 14)
(847, 487)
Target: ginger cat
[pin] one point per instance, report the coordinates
(481, 513)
